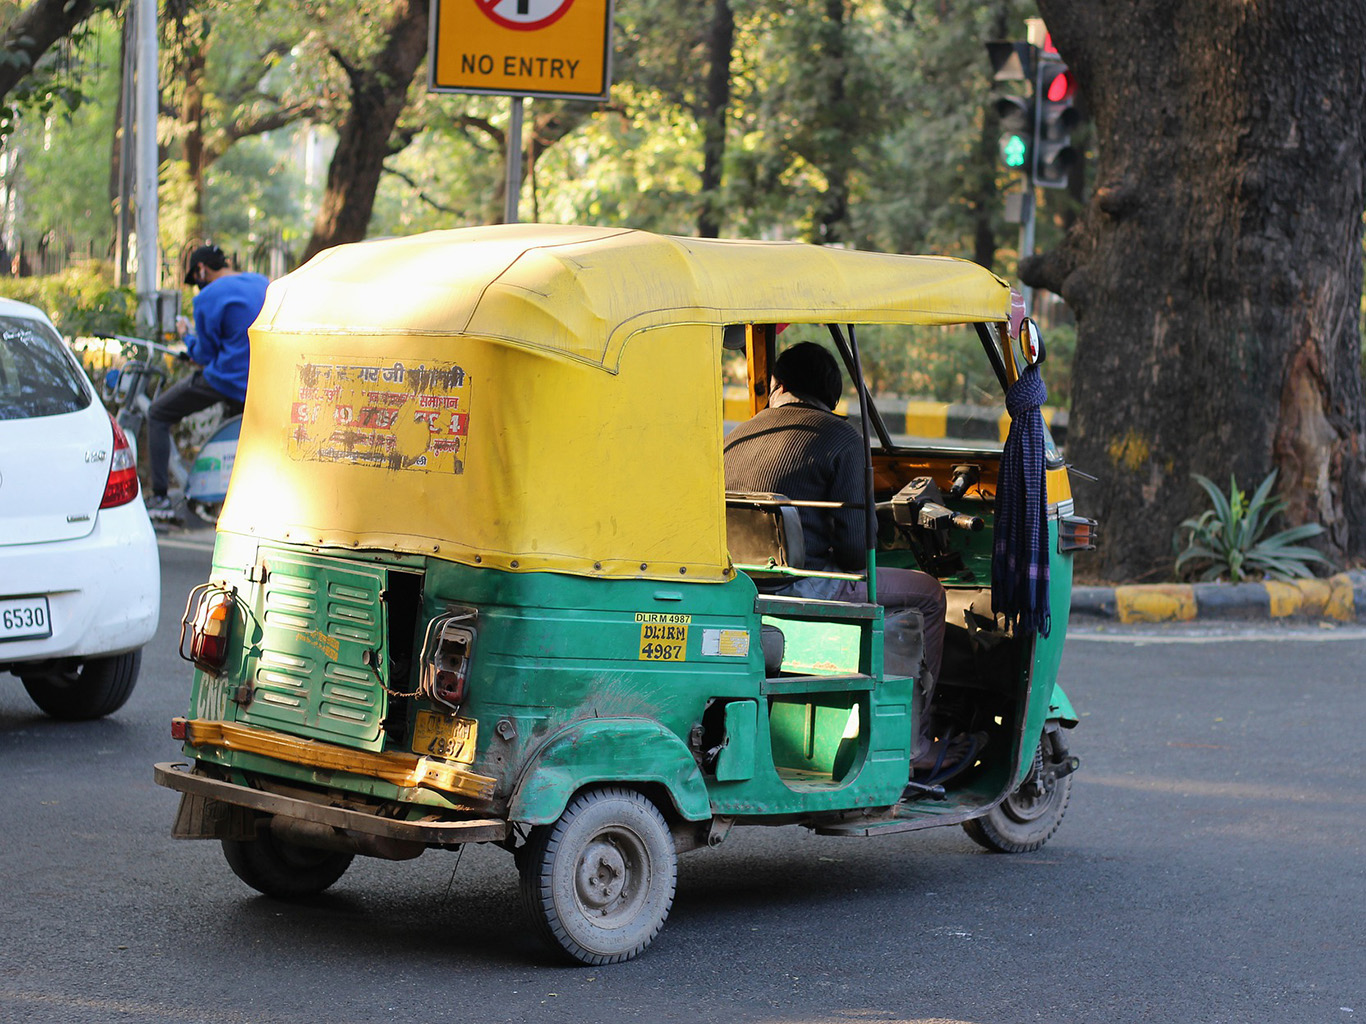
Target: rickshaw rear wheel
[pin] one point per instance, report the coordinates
(599, 881)
(282, 869)
(1028, 817)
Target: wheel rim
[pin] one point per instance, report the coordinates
(1026, 807)
(610, 877)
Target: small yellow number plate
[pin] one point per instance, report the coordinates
(441, 736)
(663, 637)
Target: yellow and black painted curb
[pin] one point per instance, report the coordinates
(1340, 598)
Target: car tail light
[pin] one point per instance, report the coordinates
(122, 485)
(1076, 533)
(446, 652)
(207, 623)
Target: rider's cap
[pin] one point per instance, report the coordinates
(209, 255)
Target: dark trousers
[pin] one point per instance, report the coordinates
(911, 588)
(169, 408)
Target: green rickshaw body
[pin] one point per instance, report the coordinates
(477, 576)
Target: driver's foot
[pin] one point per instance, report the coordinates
(947, 757)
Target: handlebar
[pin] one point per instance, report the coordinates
(940, 516)
(933, 516)
(126, 339)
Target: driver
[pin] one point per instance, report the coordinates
(799, 448)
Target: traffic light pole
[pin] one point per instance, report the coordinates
(1026, 237)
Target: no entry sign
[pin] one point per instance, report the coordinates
(554, 48)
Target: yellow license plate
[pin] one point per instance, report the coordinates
(445, 737)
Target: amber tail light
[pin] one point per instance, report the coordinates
(446, 652)
(1076, 533)
(207, 625)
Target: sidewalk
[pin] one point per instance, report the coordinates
(1340, 598)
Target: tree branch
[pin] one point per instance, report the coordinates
(32, 33)
(440, 207)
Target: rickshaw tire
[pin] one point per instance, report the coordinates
(599, 882)
(94, 688)
(1020, 824)
(282, 869)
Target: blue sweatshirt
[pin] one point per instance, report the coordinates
(223, 311)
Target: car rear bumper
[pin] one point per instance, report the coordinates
(103, 589)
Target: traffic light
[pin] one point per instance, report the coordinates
(1015, 62)
(1017, 132)
(1053, 156)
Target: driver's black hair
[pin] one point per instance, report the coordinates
(809, 369)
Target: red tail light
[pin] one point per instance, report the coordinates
(122, 485)
(446, 658)
(208, 623)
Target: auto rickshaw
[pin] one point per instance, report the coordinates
(477, 578)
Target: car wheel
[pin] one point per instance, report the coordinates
(92, 689)
(282, 869)
(599, 882)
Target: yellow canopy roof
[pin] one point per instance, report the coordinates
(583, 290)
(401, 396)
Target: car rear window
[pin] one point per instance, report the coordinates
(36, 377)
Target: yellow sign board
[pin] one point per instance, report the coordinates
(559, 49)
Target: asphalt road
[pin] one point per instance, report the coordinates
(1212, 868)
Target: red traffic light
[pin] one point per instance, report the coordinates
(1061, 88)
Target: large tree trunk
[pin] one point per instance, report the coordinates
(1216, 271)
(379, 94)
(832, 213)
(192, 69)
(716, 100)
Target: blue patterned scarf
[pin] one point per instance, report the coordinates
(1019, 563)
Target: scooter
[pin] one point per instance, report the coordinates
(132, 387)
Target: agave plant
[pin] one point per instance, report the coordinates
(1226, 542)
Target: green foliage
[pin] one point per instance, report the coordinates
(942, 364)
(80, 300)
(1226, 542)
(63, 154)
(59, 81)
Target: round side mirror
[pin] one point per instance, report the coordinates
(1032, 349)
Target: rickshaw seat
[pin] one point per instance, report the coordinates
(762, 529)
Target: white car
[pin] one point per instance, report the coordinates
(80, 579)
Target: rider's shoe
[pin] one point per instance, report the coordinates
(162, 509)
(947, 757)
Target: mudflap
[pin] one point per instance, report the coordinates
(201, 817)
(1060, 709)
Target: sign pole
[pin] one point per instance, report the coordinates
(513, 188)
(522, 49)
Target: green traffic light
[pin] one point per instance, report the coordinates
(1013, 150)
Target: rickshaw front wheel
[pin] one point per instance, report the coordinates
(599, 881)
(1028, 817)
(282, 869)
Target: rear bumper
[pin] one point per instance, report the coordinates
(181, 777)
(104, 589)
